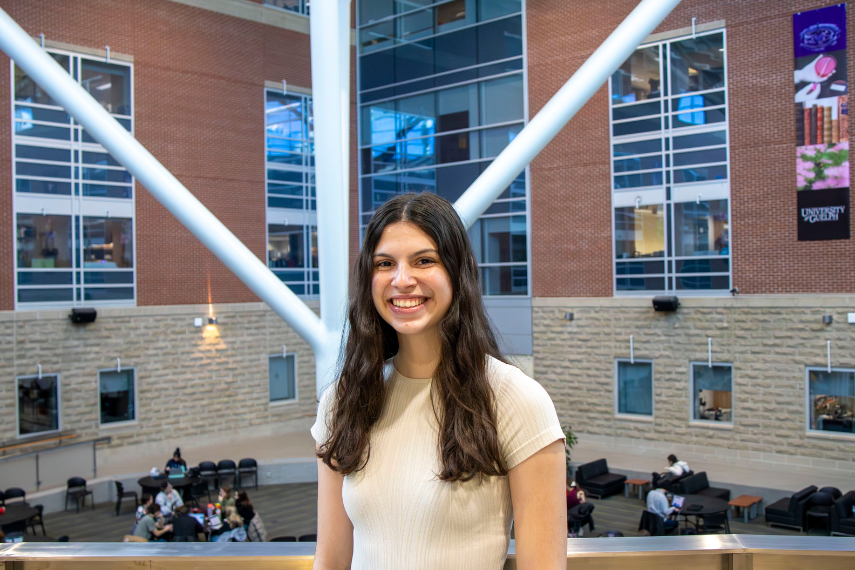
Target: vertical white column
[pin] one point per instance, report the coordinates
(330, 42)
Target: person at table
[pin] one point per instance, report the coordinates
(254, 525)
(657, 503)
(575, 495)
(225, 498)
(676, 468)
(184, 527)
(176, 463)
(145, 501)
(168, 499)
(231, 522)
(147, 527)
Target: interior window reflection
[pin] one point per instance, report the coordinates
(284, 115)
(499, 240)
(640, 232)
(701, 228)
(697, 64)
(285, 246)
(26, 90)
(107, 243)
(108, 84)
(638, 78)
(43, 241)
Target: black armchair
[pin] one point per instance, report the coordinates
(670, 484)
(594, 478)
(579, 516)
(790, 512)
(842, 518)
(833, 491)
(698, 484)
(248, 467)
(819, 506)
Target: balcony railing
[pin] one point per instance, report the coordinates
(707, 552)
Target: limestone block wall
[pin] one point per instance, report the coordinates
(193, 384)
(770, 340)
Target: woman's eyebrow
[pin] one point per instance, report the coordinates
(416, 254)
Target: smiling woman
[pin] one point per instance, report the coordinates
(430, 442)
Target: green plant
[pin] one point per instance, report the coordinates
(570, 440)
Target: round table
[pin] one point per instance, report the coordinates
(709, 506)
(17, 513)
(151, 484)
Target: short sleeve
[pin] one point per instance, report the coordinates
(525, 414)
(320, 429)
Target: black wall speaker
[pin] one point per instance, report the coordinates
(83, 316)
(665, 304)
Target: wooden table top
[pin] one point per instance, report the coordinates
(637, 481)
(745, 501)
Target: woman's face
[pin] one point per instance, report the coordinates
(410, 287)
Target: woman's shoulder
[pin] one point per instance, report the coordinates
(504, 377)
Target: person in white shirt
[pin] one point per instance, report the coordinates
(657, 503)
(168, 499)
(675, 469)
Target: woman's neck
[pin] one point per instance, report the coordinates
(418, 355)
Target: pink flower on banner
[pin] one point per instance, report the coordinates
(840, 172)
(800, 181)
(804, 168)
(821, 185)
(806, 150)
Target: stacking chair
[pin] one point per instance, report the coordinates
(14, 493)
(78, 490)
(38, 520)
(247, 467)
(226, 469)
(308, 538)
(208, 472)
(710, 524)
(199, 490)
(2, 498)
(121, 494)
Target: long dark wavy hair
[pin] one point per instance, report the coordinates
(464, 403)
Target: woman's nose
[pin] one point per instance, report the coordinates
(403, 277)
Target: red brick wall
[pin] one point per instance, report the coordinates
(198, 107)
(571, 219)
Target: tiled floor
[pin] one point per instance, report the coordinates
(292, 510)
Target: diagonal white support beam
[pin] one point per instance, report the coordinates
(27, 54)
(639, 24)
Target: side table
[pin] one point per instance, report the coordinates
(751, 506)
(639, 484)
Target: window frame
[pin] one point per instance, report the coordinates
(75, 205)
(135, 421)
(629, 416)
(668, 194)
(284, 401)
(815, 432)
(18, 433)
(711, 423)
(303, 11)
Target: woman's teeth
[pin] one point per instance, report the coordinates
(406, 303)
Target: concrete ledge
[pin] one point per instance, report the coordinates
(739, 301)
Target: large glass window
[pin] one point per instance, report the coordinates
(712, 392)
(670, 183)
(38, 404)
(282, 377)
(831, 400)
(291, 203)
(117, 394)
(634, 387)
(298, 6)
(60, 172)
(442, 94)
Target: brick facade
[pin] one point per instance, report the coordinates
(570, 200)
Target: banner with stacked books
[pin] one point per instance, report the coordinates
(822, 123)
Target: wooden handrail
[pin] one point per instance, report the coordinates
(3, 450)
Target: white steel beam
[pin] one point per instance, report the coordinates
(639, 24)
(330, 44)
(42, 69)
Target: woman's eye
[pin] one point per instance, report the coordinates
(383, 264)
(426, 261)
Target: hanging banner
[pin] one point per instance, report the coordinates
(822, 123)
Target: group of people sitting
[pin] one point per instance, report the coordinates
(165, 517)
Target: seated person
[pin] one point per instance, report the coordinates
(225, 498)
(232, 521)
(575, 495)
(254, 525)
(675, 469)
(657, 503)
(168, 499)
(184, 527)
(142, 509)
(147, 528)
(176, 463)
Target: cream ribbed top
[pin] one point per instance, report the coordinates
(403, 516)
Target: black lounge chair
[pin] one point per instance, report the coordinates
(790, 512)
(594, 478)
(842, 518)
(698, 484)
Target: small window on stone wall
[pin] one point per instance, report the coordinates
(634, 390)
(712, 392)
(117, 395)
(282, 377)
(38, 404)
(831, 400)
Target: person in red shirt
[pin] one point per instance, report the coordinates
(575, 495)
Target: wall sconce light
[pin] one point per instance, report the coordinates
(827, 319)
(665, 304)
(568, 316)
(212, 320)
(83, 316)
